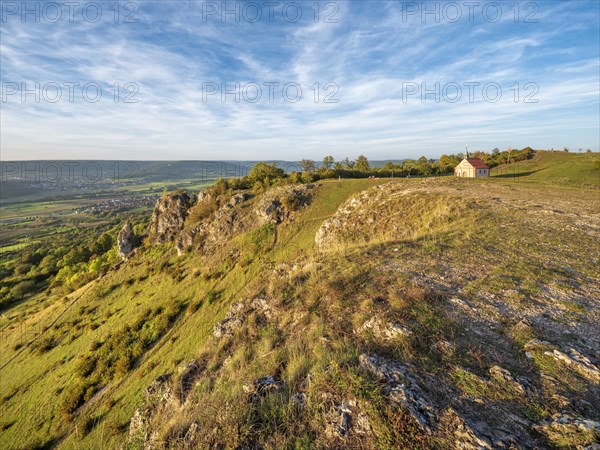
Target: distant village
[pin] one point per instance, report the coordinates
(118, 204)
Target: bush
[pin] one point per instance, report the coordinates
(307, 177)
(22, 289)
(73, 398)
(44, 344)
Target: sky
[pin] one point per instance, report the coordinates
(166, 80)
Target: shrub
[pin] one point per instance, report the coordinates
(307, 177)
(73, 398)
(44, 344)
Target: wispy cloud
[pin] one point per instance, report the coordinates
(372, 52)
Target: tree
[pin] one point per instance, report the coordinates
(408, 166)
(265, 173)
(328, 162)
(308, 165)
(102, 244)
(423, 166)
(446, 164)
(295, 177)
(347, 164)
(362, 164)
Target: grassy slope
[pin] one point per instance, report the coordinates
(32, 384)
(30, 400)
(555, 167)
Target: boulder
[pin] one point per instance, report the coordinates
(125, 240)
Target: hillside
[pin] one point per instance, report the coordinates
(434, 313)
(556, 167)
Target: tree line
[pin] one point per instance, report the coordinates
(262, 175)
(329, 168)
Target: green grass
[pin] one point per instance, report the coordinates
(318, 307)
(557, 167)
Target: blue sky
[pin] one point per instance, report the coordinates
(374, 58)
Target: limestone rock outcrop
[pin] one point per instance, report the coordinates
(280, 203)
(168, 217)
(125, 240)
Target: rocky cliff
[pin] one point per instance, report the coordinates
(214, 219)
(168, 217)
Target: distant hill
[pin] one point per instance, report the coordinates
(557, 167)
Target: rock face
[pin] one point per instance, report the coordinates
(125, 240)
(169, 217)
(212, 221)
(280, 203)
(214, 227)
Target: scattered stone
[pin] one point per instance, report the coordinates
(261, 305)
(187, 375)
(444, 348)
(402, 388)
(464, 436)
(536, 344)
(563, 424)
(161, 389)
(227, 327)
(237, 314)
(362, 424)
(577, 361)
(505, 376)
(190, 440)
(238, 199)
(384, 330)
(158, 396)
(263, 386)
(338, 421)
(299, 398)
